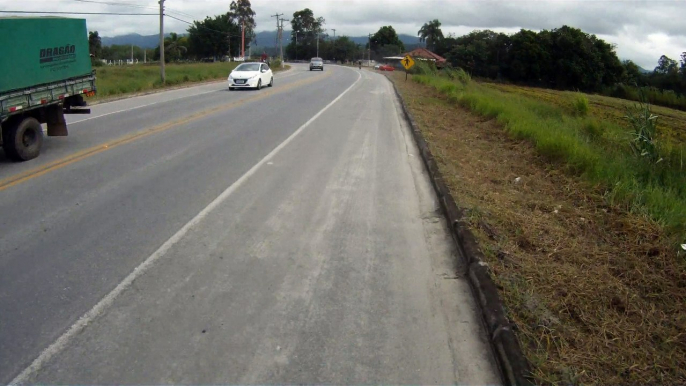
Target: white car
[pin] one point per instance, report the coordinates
(251, 75)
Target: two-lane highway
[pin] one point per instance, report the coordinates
(288, 235)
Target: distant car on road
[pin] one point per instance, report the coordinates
(386, 67)
(316, 64)
(251, 75)
(377, 66)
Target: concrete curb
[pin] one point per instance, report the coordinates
(513, 365)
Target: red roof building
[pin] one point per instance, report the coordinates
(423, 53)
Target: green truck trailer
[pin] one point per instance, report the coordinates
(45, 72)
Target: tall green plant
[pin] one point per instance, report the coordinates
(644, 124)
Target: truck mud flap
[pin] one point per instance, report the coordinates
(57, 126)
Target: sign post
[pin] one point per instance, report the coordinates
(407, 62)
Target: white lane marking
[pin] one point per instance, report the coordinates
(149, 104)
(59, 345)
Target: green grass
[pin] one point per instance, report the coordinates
(597, 149)
(121, 80)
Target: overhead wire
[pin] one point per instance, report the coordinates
(81, 13)
(122, 4)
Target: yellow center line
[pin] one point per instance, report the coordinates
(97, 149)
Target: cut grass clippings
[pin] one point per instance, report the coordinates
(113, 81)
(594, 287)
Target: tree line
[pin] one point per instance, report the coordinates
(564, 58)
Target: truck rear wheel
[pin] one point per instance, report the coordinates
(22, 139)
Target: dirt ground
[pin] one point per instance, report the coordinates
(596, 294)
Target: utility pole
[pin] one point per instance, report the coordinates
(281, 41)
(276, 44)
(243, 39)
(162, 42)
(319, 31)
(296, 45)
(369, 60)
(334, 44)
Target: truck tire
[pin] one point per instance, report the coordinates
(23, 139)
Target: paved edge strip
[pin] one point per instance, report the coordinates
(513, 365)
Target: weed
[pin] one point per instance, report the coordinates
(644, 125)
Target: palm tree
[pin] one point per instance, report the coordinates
(431, 33)
(173, 45)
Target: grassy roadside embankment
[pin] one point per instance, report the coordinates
(115, 81)
(580, 235)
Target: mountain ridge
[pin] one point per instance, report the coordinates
(263, 39)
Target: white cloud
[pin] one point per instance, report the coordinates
(643, 30)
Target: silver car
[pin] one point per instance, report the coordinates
(316, 64)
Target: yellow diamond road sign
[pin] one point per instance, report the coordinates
(407, 62)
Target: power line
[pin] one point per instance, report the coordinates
(139, 6)
(167, 9)
(117, 4)
(81, 13)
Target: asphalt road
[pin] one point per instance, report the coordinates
(201, 236)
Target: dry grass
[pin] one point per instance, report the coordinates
(596, 293)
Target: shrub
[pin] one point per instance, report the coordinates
(422, 67)
(581, 105)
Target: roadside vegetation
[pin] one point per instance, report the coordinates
(588, 144)
(564, 58)
(579, 204)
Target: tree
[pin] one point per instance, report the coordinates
(666, 75)
(244, 16)
(529, 57)
(431, 33)
(665, 65)
(94, 44)
(304, 31)
(632, 74)
(386, 36)
(174, 47)
(345, 49)
(482, 53)
(210, 37)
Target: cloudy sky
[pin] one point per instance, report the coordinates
(643, 30)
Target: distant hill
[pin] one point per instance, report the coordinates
(264, 40)
(143, 41)
(644, 71)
